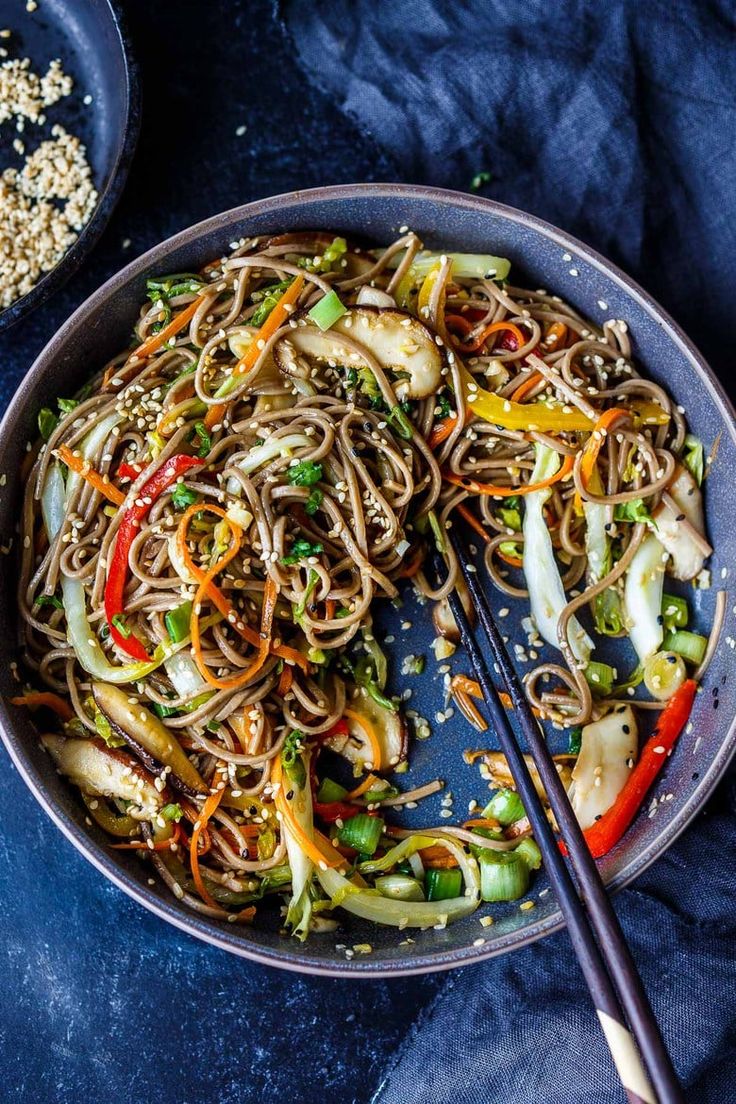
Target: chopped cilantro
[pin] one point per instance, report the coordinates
(304, 474)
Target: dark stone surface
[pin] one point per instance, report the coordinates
(102, 1000)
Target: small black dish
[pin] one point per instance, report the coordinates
(89, 38)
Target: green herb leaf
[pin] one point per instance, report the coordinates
(400, 423)
(693, 457)
(47, 422)
(183, 496)
(443, 408)
(634, 510)
(172, 811)
(314, 501)
(575, 740)
(304, 474)
(201, 434)
(67, 405)
(301, 550)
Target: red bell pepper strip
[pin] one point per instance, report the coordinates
(606, 832)
(117, 574)
(330, 811)
(129, 471)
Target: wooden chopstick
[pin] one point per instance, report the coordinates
(599, 943)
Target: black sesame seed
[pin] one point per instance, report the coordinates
(626, 729)
(696, 776)
(672, 659)
(660, 619)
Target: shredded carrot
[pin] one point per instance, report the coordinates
(318, 850)
(555, 337)
(474, 522)
(470, 711)
(330, 606)
(437, 857)
(442, 431)
(82, 467)
(155, 341)
(409, 570)
(35, 699)
(369, 781)
(370, 732)
(213, 592)
(469, 686)
(504, 492)
(161, 845)
(206, 812)
(482, 822)
(285, 680)
(275, 320)
(606, 422)
(512, 561)
(480, 340)
(528, 385)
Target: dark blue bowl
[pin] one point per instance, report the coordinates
(546, 258)
(89, 37)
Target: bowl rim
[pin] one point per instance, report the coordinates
(201, 927)
(107, 199)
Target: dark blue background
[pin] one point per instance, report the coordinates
(101, 1000)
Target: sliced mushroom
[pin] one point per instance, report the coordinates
(147, 735)
(443, 618)
(502, 778)
(105, 772)
(374, 297)
(388, 726)
(682, 530)
(607, 749)
(403, 347)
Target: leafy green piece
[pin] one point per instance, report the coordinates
(183, 496)
(443, 408)
(314, 501)
(172, 811)
(312, 581)
(575, 740)
(47, 422)
(105, 731)
(304, 474)
(608, 612)
(300, 550)
(292, 763)
(400, 423)
(329, 260)
(205, 441)
(67, 405)
(267, 298)
(633, 510)
(693, 457)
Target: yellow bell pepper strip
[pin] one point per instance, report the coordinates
(275, 320)
(521, 416)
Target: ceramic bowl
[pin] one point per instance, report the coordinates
(541, 256)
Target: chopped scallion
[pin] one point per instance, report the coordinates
(178, 622)
(505, 806)
(443, 885)
(326, 312)
(504, 875)
(361, 832)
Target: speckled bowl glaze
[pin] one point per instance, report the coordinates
(545, 257)
(90, 38)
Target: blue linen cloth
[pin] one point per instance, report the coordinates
(616, 122)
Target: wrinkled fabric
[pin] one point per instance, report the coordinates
(616, 122)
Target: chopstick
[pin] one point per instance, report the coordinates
(599, 943)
